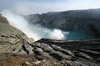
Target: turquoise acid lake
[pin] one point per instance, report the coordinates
(75, 35)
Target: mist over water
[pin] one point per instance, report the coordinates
(37, 32)
(32, 31)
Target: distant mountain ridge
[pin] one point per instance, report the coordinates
(86, 21)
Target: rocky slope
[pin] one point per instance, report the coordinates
(17, 50)
(86, 21)
(10, 37)
(82, 52)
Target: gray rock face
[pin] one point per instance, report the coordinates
(86, 21)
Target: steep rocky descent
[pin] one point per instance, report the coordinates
(10, 37)
(86, 21)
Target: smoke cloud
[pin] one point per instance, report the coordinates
(32, 31)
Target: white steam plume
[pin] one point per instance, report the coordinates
(32, 31)
(19, 22)
(57, 34)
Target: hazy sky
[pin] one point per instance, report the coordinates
(26, 7)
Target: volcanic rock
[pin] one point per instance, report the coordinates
(17, 50)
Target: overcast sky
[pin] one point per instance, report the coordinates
(26, 7)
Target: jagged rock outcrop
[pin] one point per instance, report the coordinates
(86, 21)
